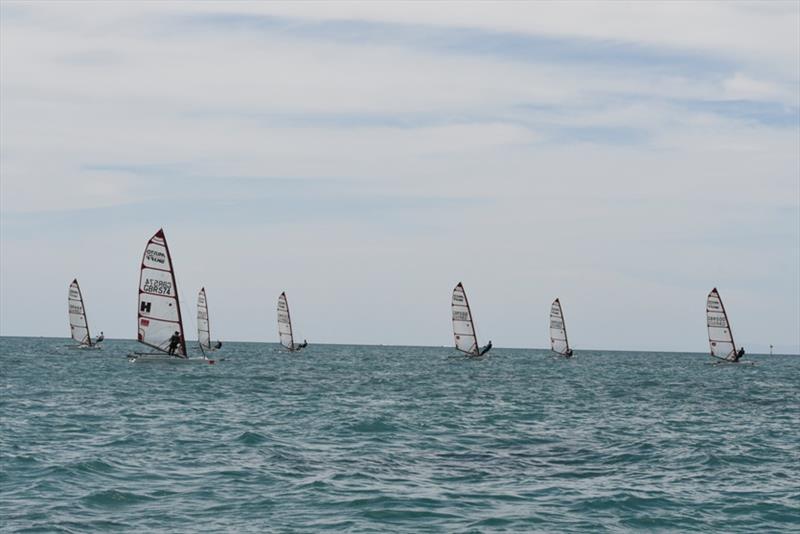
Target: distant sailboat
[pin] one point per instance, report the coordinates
(558, 331)
(204, 324)
(463, 326)
(285, 326)
(78, 324)
(720, 337)
(159, 311)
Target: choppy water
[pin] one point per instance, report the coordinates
(393, 439)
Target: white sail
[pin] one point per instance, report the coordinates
(159, 312)
(720, 337)
(203, 324)
(285, 323)
(463, 327)
(558, 329)
(78, 324)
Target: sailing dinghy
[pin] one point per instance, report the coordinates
(463, 327)
(558, 331)
(204, 325)
(78, 324)
(720, 336)
(285, 326)
(159, 310)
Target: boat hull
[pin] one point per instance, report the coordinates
(166, 358)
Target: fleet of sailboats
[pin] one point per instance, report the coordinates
(160, 324)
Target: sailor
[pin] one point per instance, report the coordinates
(739, 354)
(218, 345)
(487, 348)
(100, 338)
(568, 354)
(174, 341)
(303, 345)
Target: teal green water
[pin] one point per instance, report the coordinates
(396, 439)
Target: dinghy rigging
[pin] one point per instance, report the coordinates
(285, 332)
(720, 335)
(78, 323)
(159, 321)
(558, 331)
(463, 327)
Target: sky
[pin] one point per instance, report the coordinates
(366, 157)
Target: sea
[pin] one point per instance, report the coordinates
(395, 439)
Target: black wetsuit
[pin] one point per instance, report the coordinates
(174, 341)
(486, 349)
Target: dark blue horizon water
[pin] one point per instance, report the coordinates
(395, 439)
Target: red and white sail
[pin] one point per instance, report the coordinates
(78, 324)
(285, 323)
(558, 329)
(720, 337)
(159, 310)
(203, 324)
(463, 327)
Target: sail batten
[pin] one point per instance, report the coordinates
(159, 312)
(720, 336)
(463, 327)
(78, 323)
(285, 323)
(558, 329)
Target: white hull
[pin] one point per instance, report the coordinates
(166, 358)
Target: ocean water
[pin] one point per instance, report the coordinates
(396, 439)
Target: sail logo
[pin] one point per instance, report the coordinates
(713, 305)
(144, 322)
(459, 315)
(145, 307)
(458, 298)
(75, 310)
(155, 256)
(558, 325)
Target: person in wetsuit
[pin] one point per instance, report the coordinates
(568, 354)
(100, 338)
(739, 354)
(174, 341)
(486, 348)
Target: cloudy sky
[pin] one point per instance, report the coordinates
(365, 157)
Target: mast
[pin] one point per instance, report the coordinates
(159, 313)
(463, 327)
(79, 313)
(285, 333)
